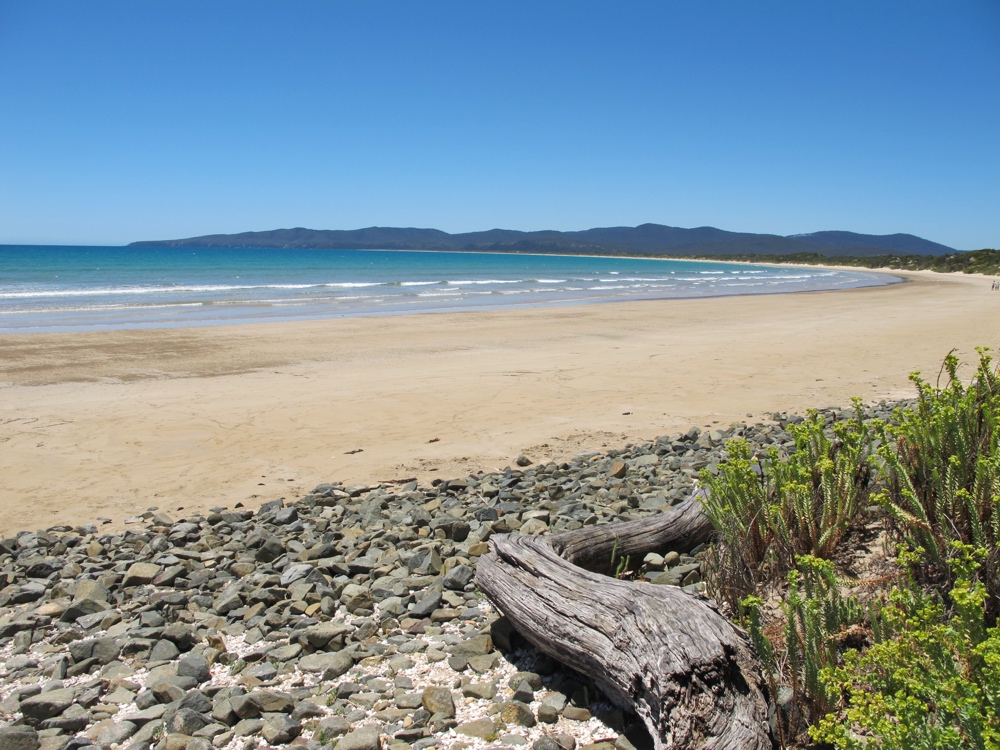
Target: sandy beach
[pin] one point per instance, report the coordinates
(109, 424)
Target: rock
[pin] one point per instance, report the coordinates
(458, 578)
(618, 469)
(244, 706)
(483, 729)
(246, 727)
(331, 664)
(186, 721)
(517, 713)
(116, 734)
(533, 527)
(476, 646)
(146, 715)
(364, 738)
(286, 516)
(195, 666)
(522, 460)
(523, 692)
(17, 663)
(327, 636)
(547, 714)
(104, 650)
(573, 713)
(197, 702)
(295, 573)
(307, 710)
(46, 705)
(480, 690)
(280, 730)
(426, 604)
(18, 738)
(87, 590)
(355, 597)
(335, 726)
(164, 650)
(139, 574)
(438, 700)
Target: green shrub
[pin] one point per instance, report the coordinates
(768, 510)
(942, 470)
(930, 682)
(818, 621)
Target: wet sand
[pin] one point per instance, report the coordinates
(108, 424)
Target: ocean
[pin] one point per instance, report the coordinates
(57, 288)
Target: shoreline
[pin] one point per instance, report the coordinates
(107, 424)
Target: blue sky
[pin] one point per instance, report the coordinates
(122, 121)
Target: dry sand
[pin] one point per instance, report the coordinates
(108, 424)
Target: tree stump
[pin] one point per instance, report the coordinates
(686, 671)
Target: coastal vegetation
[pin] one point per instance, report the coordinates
(985, 261)
(864, 566)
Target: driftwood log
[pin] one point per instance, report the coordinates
(686, 671)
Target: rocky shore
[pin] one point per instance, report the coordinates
(349, 618)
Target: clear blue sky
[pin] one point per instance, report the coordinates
(133, 120)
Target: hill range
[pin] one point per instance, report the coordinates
(646, 239)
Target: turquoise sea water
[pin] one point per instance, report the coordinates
(49, 288)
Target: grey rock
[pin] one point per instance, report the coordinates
(271, 701)
(426, 604)
(186, 721)
(164, 650)
(480, 728)
(244, 706)
(480, 690)
(438, 700)
(247, 727)
(327, 636)
(116, 734)
(295, 573)
(197, 702)
(265, 671)
(458, 577)
(335, 726)
(195, 666)
(140, 573)
(46, 705)
(518, 713)
(331, 664)
(307, 710)
(573, 713)
(146, 715)
(523, 692)
(18, 738)
(17, 663)
(355, 597)
(105, 650)
(280, 730)
(364, 738)
(547, 714)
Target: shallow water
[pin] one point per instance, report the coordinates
(57, 288)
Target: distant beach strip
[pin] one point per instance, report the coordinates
(52, 289)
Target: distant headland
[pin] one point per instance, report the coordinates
(645, 239)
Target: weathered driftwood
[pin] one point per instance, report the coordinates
(689, 674)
